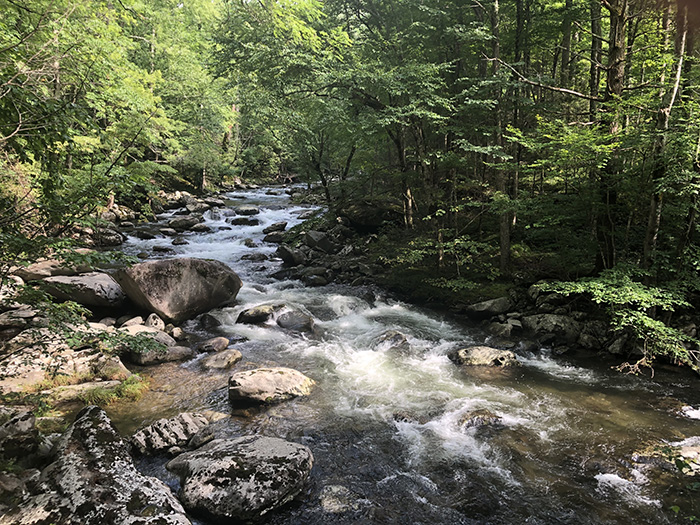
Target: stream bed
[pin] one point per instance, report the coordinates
(387, 427)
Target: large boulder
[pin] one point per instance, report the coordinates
(258, 314)
(185, 222)
(89, 289)
(483, 356)
(290, 256)
(178, 289)
(165, 434)
(93, 481)
(296, 321)
(241, 479)
(561, 327)
(320, 241)
(222, 360)
(489, 308)
(268, 385)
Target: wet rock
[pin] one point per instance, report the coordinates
(315, 280)
(209, 322)
(197, 207)
(320, 241)
(185, 222)
(179, 241)
(158, 335)
(258, 314)
(241, 479)
(89, 289)
(336, 499)
(243, 221)
(296, 321)
(290, 256)
(268, 385)
(167, 433)
(163, 249)
(274, 237)
(107, 237)
(144, 235)
(254, 257)
(50, 267)
(562, 327)
(178, 289)
(483, 356)
(486, 309)
(222, 360)
(479, 418)
(250, 243)
(393, 341)
(305, 215)
(215, 344)
(247, 210)
(168, 232)
(276, 227)
(200, 228)
(93, 481)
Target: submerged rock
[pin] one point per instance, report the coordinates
(93, 481)
(483, 356)
(178, 289)
(258, 314)
(393, 341)
(296, 321)
(222, 360)
(268, 385)
(241, 479)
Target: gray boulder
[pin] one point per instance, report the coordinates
(241, 479)
(178, 289)
(562, 327)
(276, 227)
(185, 222)
(243, 221)
(268, 385)
(247, 210)
(258, 314)
(320, 241)
(483, 356)
(215, 344)
(89, 289)
(296, 321)
(274, 237)
(222, 360)
(489, 308)
(93, 481)
(165, 355)
(164, 434)
(290, 256)
(393, 341)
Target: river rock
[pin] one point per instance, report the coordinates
(296, 321)
(222, 360)
(393, 341)
(215, 344)
(158, 335)
(276, 227)
(247, 209)
(197, 207)
(89, 289)
(258, 314)
(274, 237)
(483, 356)
(107, 237)
(19, 437)
(290, 256)
(562, 327)
(164, 355)
(178, 289)
(209, 322)
(93, 481)
(320, 241)
(241, 479)
(50, 267)
(486, 309)
(185, 222)
(167, 433)
(155, 322)
(243, 221)
(479, 418)
(268, 385)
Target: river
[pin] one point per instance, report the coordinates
(387, 428)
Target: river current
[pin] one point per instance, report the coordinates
(387, 428)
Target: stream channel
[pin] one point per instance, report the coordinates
(386, 428)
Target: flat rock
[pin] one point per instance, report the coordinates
(222, 360)
(268, 385)
(168, 432)
(241, 479)
(490, 308)
(215, 344)
(89, 289)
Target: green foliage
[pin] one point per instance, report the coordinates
(130, 389)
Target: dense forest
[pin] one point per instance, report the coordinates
(496, 141)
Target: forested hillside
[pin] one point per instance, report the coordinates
(496, 141)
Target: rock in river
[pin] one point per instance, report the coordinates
(241, 479)
(89, 289)
(178, 289)
(93, 481)
(483, 356)
(268, 385)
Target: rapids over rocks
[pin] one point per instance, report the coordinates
(402, 435)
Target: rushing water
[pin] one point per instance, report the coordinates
(387, 427)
